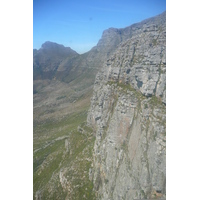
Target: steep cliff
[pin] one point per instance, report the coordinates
(62, 76)
(128, 114)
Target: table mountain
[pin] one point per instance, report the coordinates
(100, 117)
(128, 113)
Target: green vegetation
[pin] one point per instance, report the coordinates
(155, 135)
(143, 194)
(154, 42)
(155, 100)
(127, 87)
(160, 70)
(51, 155)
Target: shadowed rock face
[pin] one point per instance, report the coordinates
(128, 114)
(47, 59)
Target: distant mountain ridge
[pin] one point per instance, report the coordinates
(47, 59)
(56, 61)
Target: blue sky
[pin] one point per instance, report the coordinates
(79, 23)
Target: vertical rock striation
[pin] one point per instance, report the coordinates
(128, 114)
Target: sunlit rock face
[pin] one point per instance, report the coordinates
(128, 114)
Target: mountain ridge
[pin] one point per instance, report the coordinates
(109, 40)
(128, 116)
(100, 118)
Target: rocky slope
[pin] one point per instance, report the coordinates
(128, 114)
(61, 76)
(123, 156)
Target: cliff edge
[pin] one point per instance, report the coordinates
(128, 115)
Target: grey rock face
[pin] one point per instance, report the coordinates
(141, 61)
(128, 115)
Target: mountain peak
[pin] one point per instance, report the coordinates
(54, 46)
(49, 57)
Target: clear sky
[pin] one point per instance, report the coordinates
(79, 23)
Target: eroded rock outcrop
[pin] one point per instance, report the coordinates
(128, 115)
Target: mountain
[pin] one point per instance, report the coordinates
(47, 59)
(58, 68)
(99, 117)
(128, 115)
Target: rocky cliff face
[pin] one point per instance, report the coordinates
(128, 114)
